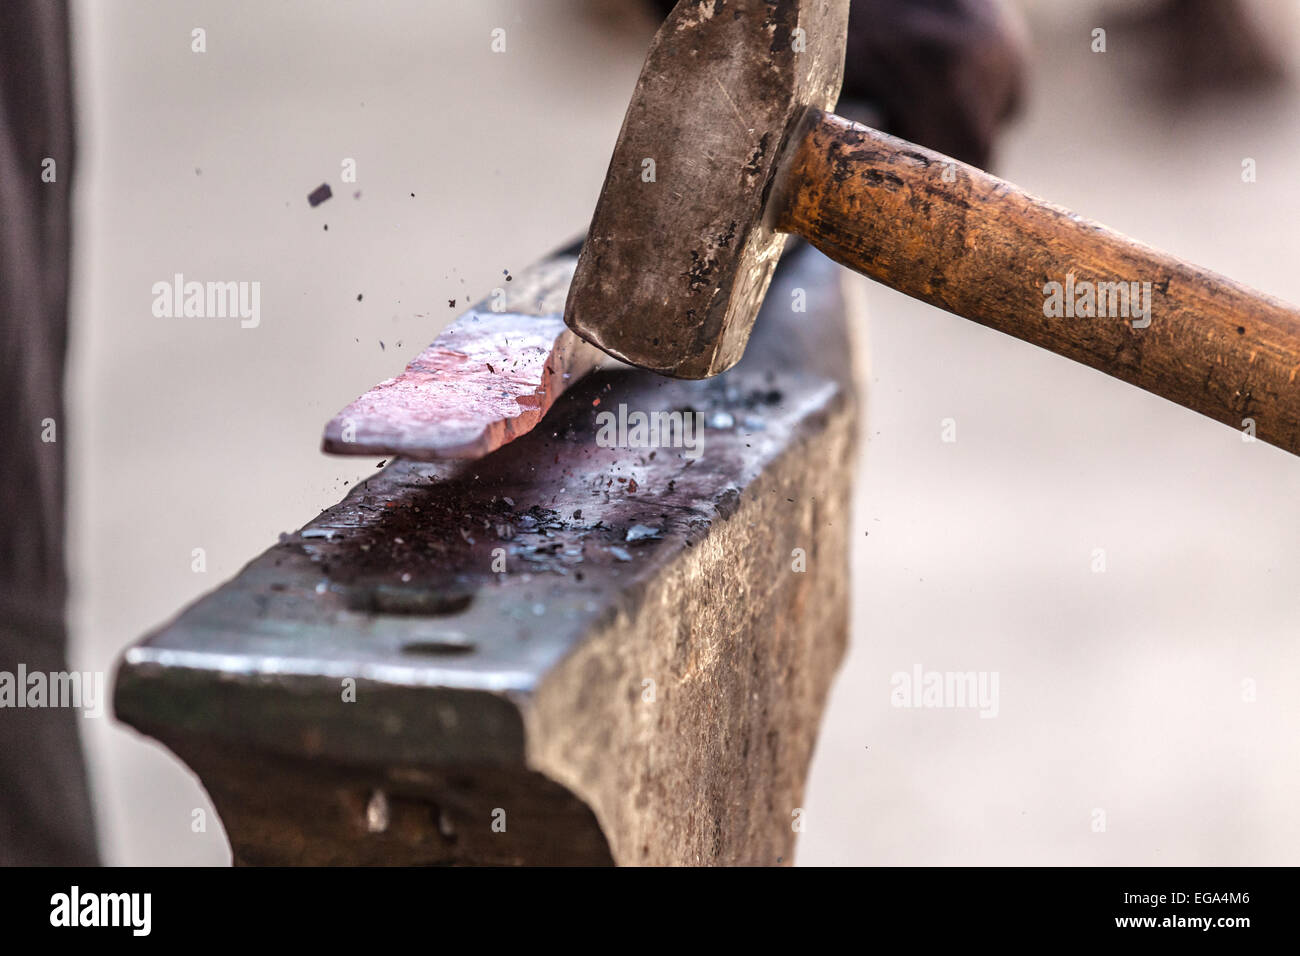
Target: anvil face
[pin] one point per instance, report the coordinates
(681, 251)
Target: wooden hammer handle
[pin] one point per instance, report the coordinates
(976, 245)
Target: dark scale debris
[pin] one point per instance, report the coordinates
(422, 545)
(319, 194)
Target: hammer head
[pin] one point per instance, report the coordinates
(681, 247)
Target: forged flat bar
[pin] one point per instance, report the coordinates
(488, 378)
(641, 684)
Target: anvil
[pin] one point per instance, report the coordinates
(568, 651)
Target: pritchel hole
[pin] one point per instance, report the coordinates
(438, 648)
(411, 599)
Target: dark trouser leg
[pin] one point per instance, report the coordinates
(45, 813)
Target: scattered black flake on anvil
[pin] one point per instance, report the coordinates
(358, 296)
(319, 194)
(451, 303)
(382, 463)
(327, 227)
(490, 368)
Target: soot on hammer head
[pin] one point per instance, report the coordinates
(680, 252)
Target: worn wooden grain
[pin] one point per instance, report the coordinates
(980, 247)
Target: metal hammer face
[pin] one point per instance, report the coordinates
(681, 248)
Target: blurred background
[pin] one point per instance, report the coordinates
(1120, 690)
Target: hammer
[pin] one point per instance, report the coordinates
(729, 146)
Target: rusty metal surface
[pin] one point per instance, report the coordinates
(675, 267)
(488, 378)
(460, 669)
